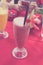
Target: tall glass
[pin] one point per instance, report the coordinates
(42, 24)
(3, 20)
(21, 33)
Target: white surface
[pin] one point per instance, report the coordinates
(19, 21)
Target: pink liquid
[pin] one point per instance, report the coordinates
(21, 31)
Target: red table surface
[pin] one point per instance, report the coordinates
(34, 47)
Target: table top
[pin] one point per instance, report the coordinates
(33, 45)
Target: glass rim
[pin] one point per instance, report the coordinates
(14, 22)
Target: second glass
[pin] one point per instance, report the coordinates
(21, 33)
(3, 20)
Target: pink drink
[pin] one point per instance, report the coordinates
(21, 31)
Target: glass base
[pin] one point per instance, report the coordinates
(3, 34)
(19, 53)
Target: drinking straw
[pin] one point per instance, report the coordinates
(26, 5)
(26, 14)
